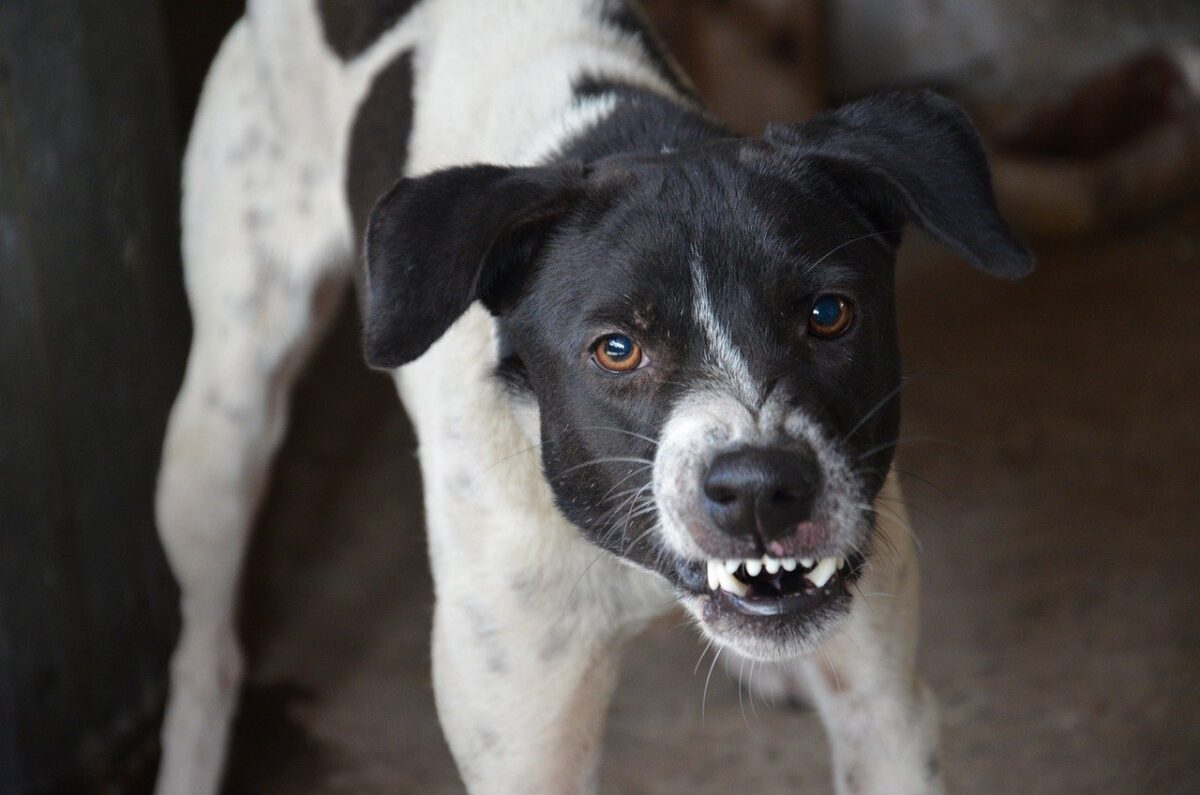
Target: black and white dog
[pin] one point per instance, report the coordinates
(647, 362)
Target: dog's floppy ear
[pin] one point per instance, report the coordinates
(912, 156)
(437, 243)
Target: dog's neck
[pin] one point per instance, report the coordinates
(637, 121)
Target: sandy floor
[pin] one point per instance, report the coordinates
(1061, 617)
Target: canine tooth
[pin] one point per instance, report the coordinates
(841, 562)
(770, 564)
(823, 571)
(753, 567)
(789, 564)
(806, 562)
(714, 579)
(732, 584)
(732, 565)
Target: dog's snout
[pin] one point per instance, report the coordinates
(762, 491)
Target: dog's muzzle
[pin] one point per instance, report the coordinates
(769, 548)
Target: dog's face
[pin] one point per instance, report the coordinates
(711, 346)
(708, 336)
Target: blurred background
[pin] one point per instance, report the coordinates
(1053, 471)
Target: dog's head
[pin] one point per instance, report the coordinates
(708, 336)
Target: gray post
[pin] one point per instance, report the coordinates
(93, 335)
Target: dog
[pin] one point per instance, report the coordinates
(648, 363)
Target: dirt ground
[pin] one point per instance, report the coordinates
(1057, 511)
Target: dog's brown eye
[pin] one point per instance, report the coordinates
(830, 316)
(617, 353)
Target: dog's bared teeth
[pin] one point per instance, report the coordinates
(731, 583)
(822, 572)
(806, 562)
(732, 565)
(841, 562)
(789, 564)
(770, 564)
(753, 567)
(714, 579)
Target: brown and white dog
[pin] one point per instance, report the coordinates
(693, 332)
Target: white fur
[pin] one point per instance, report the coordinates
(728, 364)
(530, 619)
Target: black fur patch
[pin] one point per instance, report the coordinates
(379, 140)
(351, 26)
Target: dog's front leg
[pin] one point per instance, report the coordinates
(526, 650)
(881, 719)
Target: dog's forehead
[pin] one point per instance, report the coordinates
(677, 244)
(730, 200)
(677, 213)
(700, 177)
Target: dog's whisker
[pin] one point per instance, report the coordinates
(632, 495)
(866, 601)
(851, 241)
(753, 709)
(878, 538)
(624, 493)
(634, 473)
(579, 579)
(634, 504)
(908, 506)
(496, 463)
(703, 652)
(620, 430)
(837, 681)
(609, 460)
(888, 397)
(928, 483)
(707, 679)
(740, 687)
(631, 501)
(912, 439)
(633, 544)
(898, 519)
(648, 508)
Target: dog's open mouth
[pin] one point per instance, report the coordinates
(780, 586)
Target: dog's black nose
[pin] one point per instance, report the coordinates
(767, 491)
